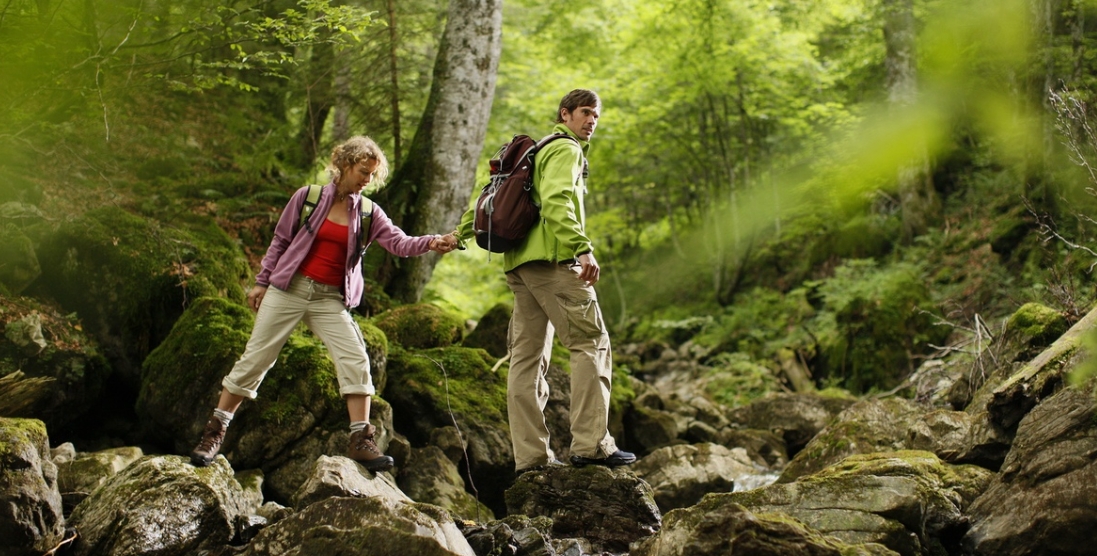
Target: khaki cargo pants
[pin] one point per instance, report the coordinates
(547, 297)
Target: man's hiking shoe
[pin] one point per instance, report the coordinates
(615, 459)
(552, 464)
(364, 450)
(207, 448)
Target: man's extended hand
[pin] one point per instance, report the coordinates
(591, 271)
(443, 244)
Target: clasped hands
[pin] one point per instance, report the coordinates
(443, 244)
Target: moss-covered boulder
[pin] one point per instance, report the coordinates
(433, 478)
(78, 476)
(440, 387)
(717, 527)
(20, 266)
(298, 415)
(865, 427)
(61, 370)
(31, 521)
(130, 278)
(421, 326)
(909, 501)
(182, 509)
(796, 417)
(491, 330)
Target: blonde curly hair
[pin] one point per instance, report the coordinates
(354, 150)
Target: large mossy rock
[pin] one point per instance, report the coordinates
(375, 526)
(909, 501)
(437, 388)
(161, 505)
(61, 371)
(610, 508)
(421, 326)
(865, 427)
(717, 527)
(298, 416)
(20, 267)
(129, 278)
(491, 330)
(79, 474)
(1042, 501)
(31, 520)
(796, 417)
(1014, 389)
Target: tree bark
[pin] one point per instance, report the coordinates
(320, 98)
(918, 200)
(430, 191)
(394, 77)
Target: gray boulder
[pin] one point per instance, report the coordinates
(681, 475)
(515, 535)
(377, 526)
(719, 527)
(344, 477)
(431, 477)
(78, 476)
(1042, 501)
(31, 520)
(797, 418)
(909, 501)
(611, 508)
(161, 505)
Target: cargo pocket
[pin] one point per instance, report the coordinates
(584, 319)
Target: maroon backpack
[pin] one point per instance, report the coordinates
(505, 211)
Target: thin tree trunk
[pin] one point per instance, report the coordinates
(320, 99)
(340, 125)
(917, 197)
(431, 189)
(394, 77)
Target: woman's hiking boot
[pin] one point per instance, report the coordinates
(363, 449)
(207, 448)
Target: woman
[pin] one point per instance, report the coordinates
(316, 273)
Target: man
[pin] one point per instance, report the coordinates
(552, 274)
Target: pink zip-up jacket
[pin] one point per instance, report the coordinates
(288, 251)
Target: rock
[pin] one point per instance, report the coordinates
(945, 433)
(718, 527)
(764, 447)
(1012, 389)
(130, 278)
(609, 507)
(378, 526)
(433, 478)
(1042, 500)
(515, 535)
(298, 416)
(20, 266)
(161, 505)
(681, 475)
(57, 371)
(491, 331)
(421, 326)
(80, 475)
(340, 476)
(451, 442)
(31, 520)
(909, 501)
(865, 427)
(649, 429)
(438, 387)
(795, 417)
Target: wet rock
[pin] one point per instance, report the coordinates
(718, 527)
(681, 475)
(1042, 500)
(31, 520)
(161, 505)
(340, 476)
(609, 507)
(797, 418)
(490, 333)
(433, 478)
(909, 501)
(515, 535)
(378, 526)
(865, 427)
(764, 447)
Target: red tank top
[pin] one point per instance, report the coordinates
(326, 261)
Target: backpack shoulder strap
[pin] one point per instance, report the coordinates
(367, 221)
(312, 198)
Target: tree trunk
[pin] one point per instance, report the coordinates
(918, 200)
(430, 191)
(319, 93)
(394, 77)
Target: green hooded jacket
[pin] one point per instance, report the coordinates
(558, 188)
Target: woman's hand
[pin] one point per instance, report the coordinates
(443, 244)
(255, 297)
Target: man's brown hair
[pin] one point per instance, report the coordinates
(575, 99)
